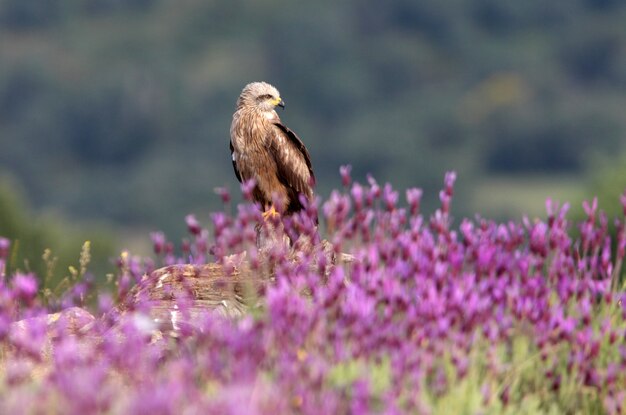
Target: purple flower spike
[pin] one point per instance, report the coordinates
(158, 242)
(345, 175)
(449, 181)
(538, 239)
(5, 245)
(25, 287)
(223, 193)
(591, 209)
(420, 307)
(357, 196)
(414, 198)
(390, 197)
(246, 189)
(193, 225)
(105, 303)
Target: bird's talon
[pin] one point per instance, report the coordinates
(270, 214)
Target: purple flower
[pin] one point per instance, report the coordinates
(425, 305)
(390, 197)
(220, 223)
(223, 193)
(538, 239)
(247, 188)
(591, 209)
(449, 180)
(414, 197)
(345, 175)
(193, 225)
(5, 246)
(357, 196)
(158, 242)
(374, 191)
(105, 303)
(25, 287)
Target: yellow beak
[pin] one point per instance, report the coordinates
(279, 102)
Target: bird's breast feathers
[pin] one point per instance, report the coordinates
(272, 116)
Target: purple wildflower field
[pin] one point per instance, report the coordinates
(434, 316)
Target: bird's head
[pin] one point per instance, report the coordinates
(261, 96)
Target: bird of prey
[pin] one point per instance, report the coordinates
(265, 150)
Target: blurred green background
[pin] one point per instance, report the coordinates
(115, 114)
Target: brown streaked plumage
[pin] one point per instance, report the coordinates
(265, 150)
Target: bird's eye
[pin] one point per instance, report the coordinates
(265, 96)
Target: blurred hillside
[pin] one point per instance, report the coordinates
(120, 109)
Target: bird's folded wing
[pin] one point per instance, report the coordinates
(292, 159)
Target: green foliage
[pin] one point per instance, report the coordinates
(133, 98)
(48, 245)
(607, 182)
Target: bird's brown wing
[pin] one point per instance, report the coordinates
(232, 156)
(293, 163)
